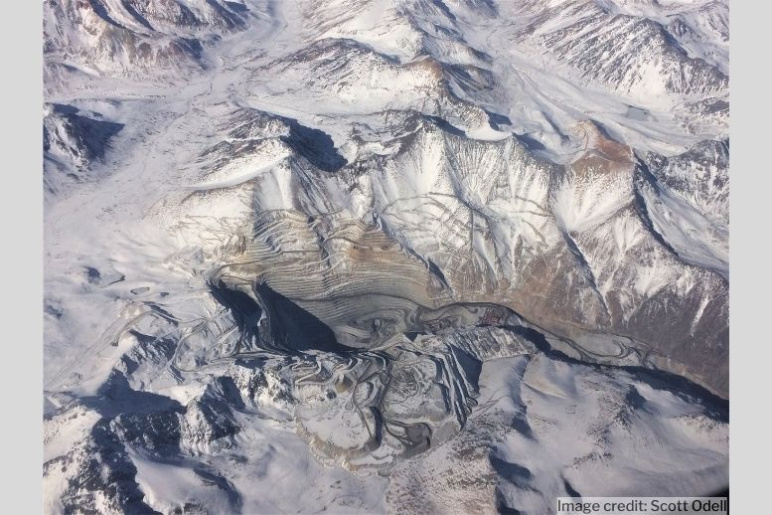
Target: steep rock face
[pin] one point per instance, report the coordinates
(699, 177)
(677, 73)
(349, 77)
(585, 35)
(133, 38)
(687, 198)
(72, 141)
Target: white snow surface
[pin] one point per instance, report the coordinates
(421, 157)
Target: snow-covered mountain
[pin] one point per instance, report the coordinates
(449, 256)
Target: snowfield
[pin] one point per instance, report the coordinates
(384, 256)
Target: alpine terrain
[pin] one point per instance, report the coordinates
(384, 256)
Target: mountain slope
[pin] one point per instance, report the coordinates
(455, 255)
